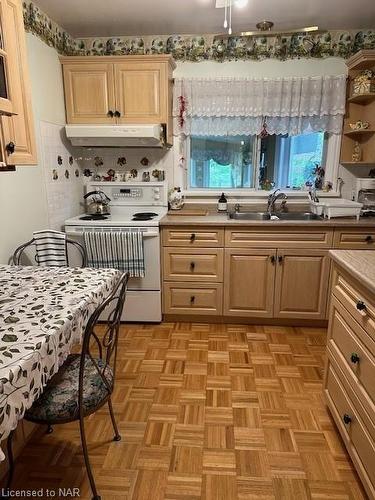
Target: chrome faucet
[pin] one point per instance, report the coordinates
(273, 197)
(237, 207)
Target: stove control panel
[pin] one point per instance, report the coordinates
(126, 193)
(132, 193)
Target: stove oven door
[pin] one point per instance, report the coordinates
(143, 301)
(151, 240)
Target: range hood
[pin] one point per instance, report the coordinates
(140, 136)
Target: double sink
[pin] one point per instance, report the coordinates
(297, 216)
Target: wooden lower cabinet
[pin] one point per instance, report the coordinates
(355, 238)
(265, 272)
(350, 371)
(249, 282)
(187, 298)
(302, 279)
(193, 264)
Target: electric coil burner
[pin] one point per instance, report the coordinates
(93, 217)
(142, 216)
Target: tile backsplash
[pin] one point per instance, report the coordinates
(65, 166)
(124, 161)
(62, 173)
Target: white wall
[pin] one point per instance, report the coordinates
(23, 201)
(269, 68)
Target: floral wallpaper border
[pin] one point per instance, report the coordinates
(201, 47)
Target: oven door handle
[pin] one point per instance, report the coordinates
(146, 234)
(150, 234)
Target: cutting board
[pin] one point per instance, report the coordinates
(189, 212)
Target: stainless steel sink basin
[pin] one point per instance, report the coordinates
(249, 216)
(281, 216)
(297, 216)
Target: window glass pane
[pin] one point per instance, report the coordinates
(221, 162)
(3, 83)
(289, 161)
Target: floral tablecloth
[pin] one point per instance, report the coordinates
(43, 312)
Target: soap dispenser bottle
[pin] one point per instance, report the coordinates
(222, 204)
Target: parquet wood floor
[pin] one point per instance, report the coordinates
(212, 412)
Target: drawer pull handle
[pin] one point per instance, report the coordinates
(369, 239)
(192, 299)
(10, 148)
(117, 114)
(110, 114)
(354, 358)
(273, 259)
(347, 419)
(361, 306)
(192, 266)
(192, 237)
(280, 259)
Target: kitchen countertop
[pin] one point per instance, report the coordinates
(359, 263)
(216, 219)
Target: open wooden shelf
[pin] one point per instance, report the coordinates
(357, 163)
(363, 59)
(362, 98)
(359, 132)
(359, 107)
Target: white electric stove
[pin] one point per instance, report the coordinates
(134, 206)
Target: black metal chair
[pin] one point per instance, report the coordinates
(19, 252)
(85, 382)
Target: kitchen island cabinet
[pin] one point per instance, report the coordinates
(349, 383)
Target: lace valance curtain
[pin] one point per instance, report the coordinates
(242, 106)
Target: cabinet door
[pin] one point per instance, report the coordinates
(89, 92)
(18, 130)
(302, 278)
(249, 282)
(141, 92)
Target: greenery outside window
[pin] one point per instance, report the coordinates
(254, 162)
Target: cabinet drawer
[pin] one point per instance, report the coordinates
(184, 298)
(191, 237)
(193, 264)
(355, 238)
(348, 339)
(354, 300)
(271, 237)
(357, 439)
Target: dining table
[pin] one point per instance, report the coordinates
(43, 314)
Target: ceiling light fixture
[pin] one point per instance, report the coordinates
(241, 3)
(227, 5)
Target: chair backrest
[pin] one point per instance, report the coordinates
(20, 252)
(102, 337)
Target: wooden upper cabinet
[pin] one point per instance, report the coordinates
(17, 130)
(89, 92)
(141, 93)
(136, 89)
(249, 282)
(302, 278)
(6, 38)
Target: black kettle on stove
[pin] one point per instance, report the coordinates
(97, 203)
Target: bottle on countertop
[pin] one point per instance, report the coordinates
(222, 204)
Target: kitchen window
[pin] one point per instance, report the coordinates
(255, 162)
